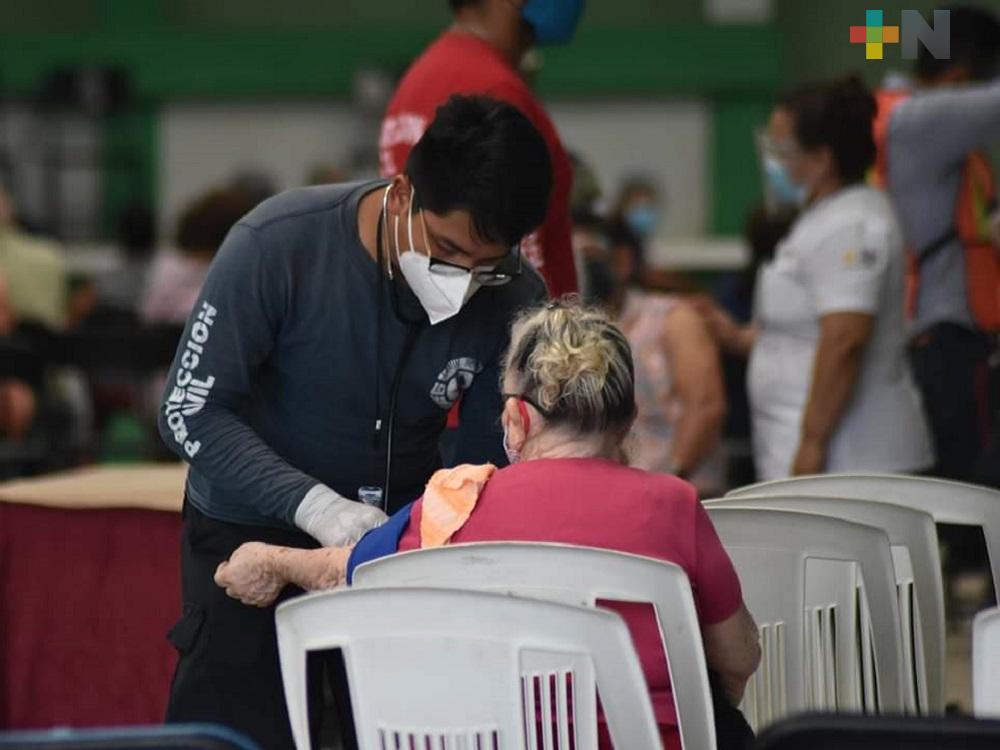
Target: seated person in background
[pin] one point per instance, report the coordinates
(679, 392)
(35, 269)
(176, 277)
(569, 400)
(640, 207)
(17, 399)
(118, 290)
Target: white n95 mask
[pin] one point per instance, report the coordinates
(441, 292)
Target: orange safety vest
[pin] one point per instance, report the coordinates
(977, 200)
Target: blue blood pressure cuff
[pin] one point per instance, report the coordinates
(381, 541)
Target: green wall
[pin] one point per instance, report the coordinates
(817, 43)
(310, 48)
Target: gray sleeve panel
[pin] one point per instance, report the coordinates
(230, 333)
(939, 128)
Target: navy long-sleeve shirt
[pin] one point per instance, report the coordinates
(277, 384)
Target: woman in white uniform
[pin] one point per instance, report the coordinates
(829, 384)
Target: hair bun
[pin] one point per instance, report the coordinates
(576, 364)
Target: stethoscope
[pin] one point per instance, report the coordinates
(412, 332)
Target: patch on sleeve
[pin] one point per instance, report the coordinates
(455, 378)
(865, 259)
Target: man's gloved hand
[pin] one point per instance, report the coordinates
(333, 520)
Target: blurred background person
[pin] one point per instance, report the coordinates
(481, 52)
(116, 293)
(679, 392)
(176, 276)
(35, 269)
(639, 206)
(830, 387)
(933, 164)
(17, 398)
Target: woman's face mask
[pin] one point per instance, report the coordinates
(781, 163)
(780, 185)
(642, 218)
(443, 294)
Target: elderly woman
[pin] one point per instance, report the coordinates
(569, 391)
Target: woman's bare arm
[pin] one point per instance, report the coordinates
(842, 341)
(696, 381)
(732, 650)
(256, 572)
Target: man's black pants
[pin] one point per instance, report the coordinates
(227, 670)
(951, 367)
(950, 364)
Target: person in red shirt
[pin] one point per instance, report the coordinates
(569, 391)
(480, 54)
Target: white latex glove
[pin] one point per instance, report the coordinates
(333, 520)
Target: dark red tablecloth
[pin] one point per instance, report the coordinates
(86, 599)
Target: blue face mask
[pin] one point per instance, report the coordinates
(642, 219)
(781, 184)
(553, 21)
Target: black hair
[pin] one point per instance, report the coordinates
(837, 114)
(485, 157)
(207, 220)
(457, 5)
(619, 235)
(975, 45)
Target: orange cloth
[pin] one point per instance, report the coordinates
(449, 500)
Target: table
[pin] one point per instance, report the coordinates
(89, 586)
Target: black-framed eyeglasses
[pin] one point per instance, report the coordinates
(482, 275)
(527, 400)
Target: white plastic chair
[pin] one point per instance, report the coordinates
(468, 670)
(948, 502)
(919, 589)
(580, 576)
(809, 581)
(986, 664)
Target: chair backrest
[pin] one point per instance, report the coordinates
(171, 737)
(919, 589)
(948, 502)
(818, 586)
(828, 732)
(554, 572)
(468, 669)
(986, 663)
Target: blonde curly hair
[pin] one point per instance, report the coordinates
(574, 365)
